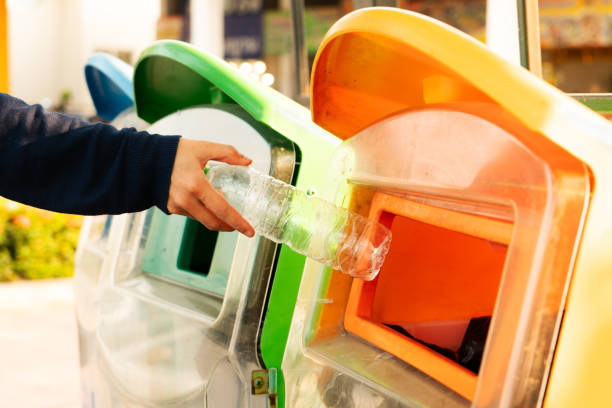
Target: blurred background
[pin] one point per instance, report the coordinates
(50, 40)
(44, 46)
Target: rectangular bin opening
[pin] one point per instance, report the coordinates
(433, 299)
(434, 282)
(197, 248)
(181, 250)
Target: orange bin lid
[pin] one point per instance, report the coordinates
(379, 61)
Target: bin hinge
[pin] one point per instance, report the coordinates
(263, 382)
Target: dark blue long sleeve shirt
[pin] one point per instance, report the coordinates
(60, 163)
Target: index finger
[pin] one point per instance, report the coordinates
(226, 153)
(221, 208)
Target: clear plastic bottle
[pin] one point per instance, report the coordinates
(334, 236)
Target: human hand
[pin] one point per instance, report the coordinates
(192, 195)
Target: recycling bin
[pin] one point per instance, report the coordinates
(109, 81)
(495, 187)
(187, 317)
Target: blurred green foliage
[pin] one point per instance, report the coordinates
(36, 244)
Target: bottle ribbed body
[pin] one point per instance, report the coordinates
(313, 227)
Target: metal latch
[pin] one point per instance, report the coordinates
(263, 382)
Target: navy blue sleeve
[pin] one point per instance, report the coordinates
(60, 163)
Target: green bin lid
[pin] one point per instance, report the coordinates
(173, 75)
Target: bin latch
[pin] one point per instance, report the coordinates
(263, 382)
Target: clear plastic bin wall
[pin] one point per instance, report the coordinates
(484, 232)
(108, 80)
(94, 248)
(171, 312)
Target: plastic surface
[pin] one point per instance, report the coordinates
(431, 116)
(338, 238)
(110, 84)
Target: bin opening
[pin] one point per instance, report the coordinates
(433, 299)
(197, 248)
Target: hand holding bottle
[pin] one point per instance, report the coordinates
(191, 194)
(334, 236)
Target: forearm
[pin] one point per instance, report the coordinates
(59, 163)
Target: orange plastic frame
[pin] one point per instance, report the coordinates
(443, 294)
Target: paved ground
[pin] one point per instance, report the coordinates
(38, 345)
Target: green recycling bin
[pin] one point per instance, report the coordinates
(187, 317)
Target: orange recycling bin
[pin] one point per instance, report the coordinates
(495, 186)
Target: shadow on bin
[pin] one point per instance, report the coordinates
(484, 174)
(186, 316)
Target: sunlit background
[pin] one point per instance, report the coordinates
(50, 40)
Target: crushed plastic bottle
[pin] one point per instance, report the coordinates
(334, 236)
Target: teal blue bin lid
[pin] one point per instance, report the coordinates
(110, 84)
